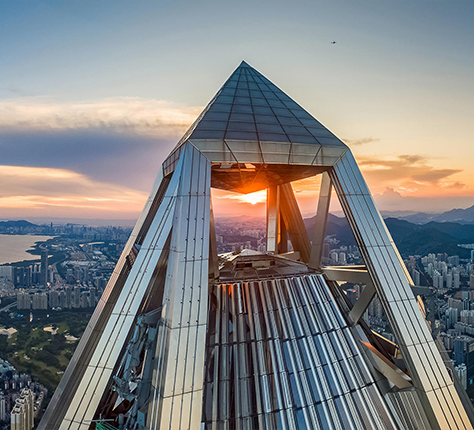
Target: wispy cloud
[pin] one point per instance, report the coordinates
(363, 141)
(409, 173)
(132, 114)
(62, 191)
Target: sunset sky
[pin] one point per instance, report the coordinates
(94, 94)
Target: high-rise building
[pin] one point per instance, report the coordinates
(69, 300)
(54, 299)
(452, 315)
(77, 297)
(40, 301)
(23, 300)
(44, 267)
(92, 297)
(22, 415)
(184, 340)
(461, 370)
(464, 354)
(3, 407)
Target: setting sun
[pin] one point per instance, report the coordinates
(254, 198)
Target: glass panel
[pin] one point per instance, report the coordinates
(272, 128)
(220, 107)
(262, 110)
(242, 117)
(289, 120)
(227, 92)
(302, 139)
(282, 112)
(224, 99)
(242, 108)
(212, 125)
(292, 105)
(242, 93)
(330, 141)
(240, 135)
(276, 103)
(269, 95)
(272, 137)
(310, 122)
(242, 100)
(207, 134)
(256, 94)
(282, 96)
(241, 126)
(259, 102)
(265, 119)
(219, 116)
(296, 130)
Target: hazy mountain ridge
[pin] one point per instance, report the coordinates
(410, 238)
(16, 224)
(460, 216)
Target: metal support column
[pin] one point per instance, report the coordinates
(321, 221)
(213, 258)
(273, 219)
(294, 222)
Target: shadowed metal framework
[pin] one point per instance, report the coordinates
(182, 339)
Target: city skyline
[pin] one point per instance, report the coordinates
(88, 116)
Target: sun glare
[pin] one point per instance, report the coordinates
(254, 198)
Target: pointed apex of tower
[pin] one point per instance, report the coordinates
(252, 111)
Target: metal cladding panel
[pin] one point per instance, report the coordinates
(116, 331)
(393, 283)
(75, 372)
(178, 376)
(281, 356)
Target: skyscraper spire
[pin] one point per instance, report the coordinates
(183, 340)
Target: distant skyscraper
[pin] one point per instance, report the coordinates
(44, 267)
(77, 297)
(184, 340)
(352, 295)
(461, 370)
(464, 354)
(22, 415)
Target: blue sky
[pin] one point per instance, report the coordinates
(101, 90)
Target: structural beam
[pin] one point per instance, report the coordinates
(294, 222)
(321, 221)
(273, 219)
(72, 378)
(362, 303)
(393, 285)
(213, 258)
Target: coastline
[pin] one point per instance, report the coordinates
(33, 249)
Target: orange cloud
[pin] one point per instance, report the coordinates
(409, 174)
(63, 192)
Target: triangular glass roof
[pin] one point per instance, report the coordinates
(255, 136)
(249, 107)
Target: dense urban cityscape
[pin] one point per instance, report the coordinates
(72, 268)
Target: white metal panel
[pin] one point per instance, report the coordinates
(393, 287)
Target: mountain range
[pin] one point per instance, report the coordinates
(460, 216)
(410, 238)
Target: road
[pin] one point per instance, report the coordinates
(8, 307)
